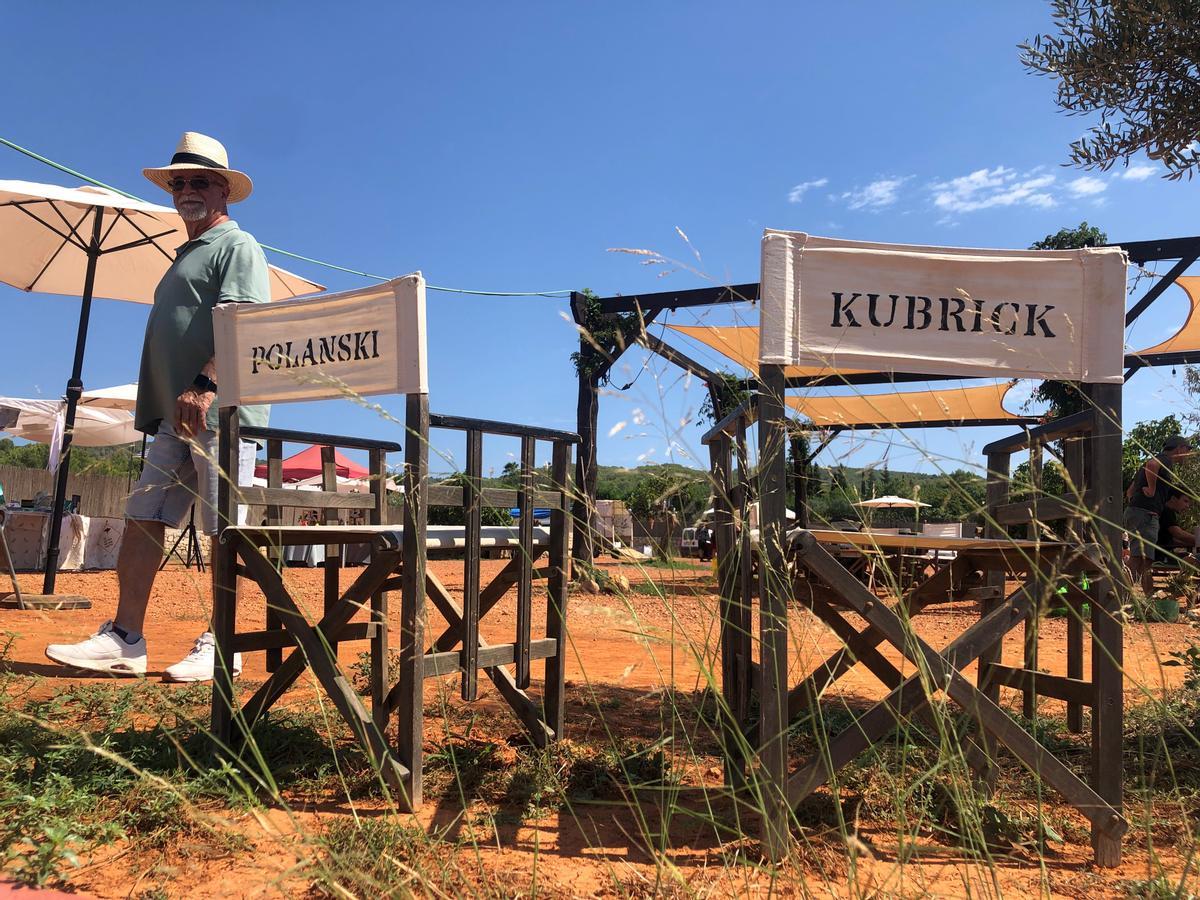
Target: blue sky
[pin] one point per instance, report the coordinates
(511, 146)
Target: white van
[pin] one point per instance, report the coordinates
(688, 545)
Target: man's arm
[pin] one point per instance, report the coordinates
(191, 407)
(1152, 468)
(1181, 537)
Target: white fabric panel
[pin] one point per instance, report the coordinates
(41, 421)
(942, 310)
(361, 342)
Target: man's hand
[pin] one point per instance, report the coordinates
(1147, 490)
(191, 411)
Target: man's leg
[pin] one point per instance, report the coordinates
(163, 495)
(198, 665)
(137, 565)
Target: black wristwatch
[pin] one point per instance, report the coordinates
(204, 384)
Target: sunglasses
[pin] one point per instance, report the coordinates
(200, 183)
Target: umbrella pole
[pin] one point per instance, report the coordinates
(74, 390)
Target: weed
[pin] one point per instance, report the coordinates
(536, 786)
(1157, 888)
(1189, 658)
(463, 768)
(367, 858)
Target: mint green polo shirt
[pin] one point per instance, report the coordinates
(222, 265)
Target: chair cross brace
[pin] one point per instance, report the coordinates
(316, 650)
(936, 671)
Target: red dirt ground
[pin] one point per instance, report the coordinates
(640, 644)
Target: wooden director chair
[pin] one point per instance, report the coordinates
(799, 568)
(392, 317)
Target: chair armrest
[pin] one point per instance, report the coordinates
(312, 437)
(462, 423)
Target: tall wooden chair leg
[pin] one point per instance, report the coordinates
(224, 613)
(556, 601)
(773, 629)
(411, 675)
(1108, 715)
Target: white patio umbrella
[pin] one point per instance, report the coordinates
(41, 421)
(121, 396)
(890, 501)
(91, 242)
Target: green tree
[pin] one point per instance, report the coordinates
(839, 483)
(1054, 480)
(954, 495)
(1083, 235)
(1133, 62)
(26, 456)
(890, 485)
(120, 461)
(1062, 398)
(731, 393)
(510, 475)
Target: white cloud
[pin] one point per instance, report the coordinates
(878, 194)
(987, 188)
(1138, 173)
(796, 194)
(1087, 186)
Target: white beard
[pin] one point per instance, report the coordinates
(192, 210)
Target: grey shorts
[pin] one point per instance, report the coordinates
(179, 471)
(1142, 527)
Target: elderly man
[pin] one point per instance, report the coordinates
(220, 263)
(1155, 483)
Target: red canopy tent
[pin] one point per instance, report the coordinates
(307, 464)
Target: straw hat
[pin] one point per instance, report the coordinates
(200, 152)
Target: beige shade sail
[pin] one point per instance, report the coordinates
(740, 344)
(1187, 337)
(945, 407)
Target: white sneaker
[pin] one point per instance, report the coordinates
(198, 665)
(105, 651)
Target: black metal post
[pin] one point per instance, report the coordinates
(74, 391)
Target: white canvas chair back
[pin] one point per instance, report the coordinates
(945, 530)
(942, 529)
(354, 343)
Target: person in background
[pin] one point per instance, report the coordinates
(705, 541)
(1156, 481)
